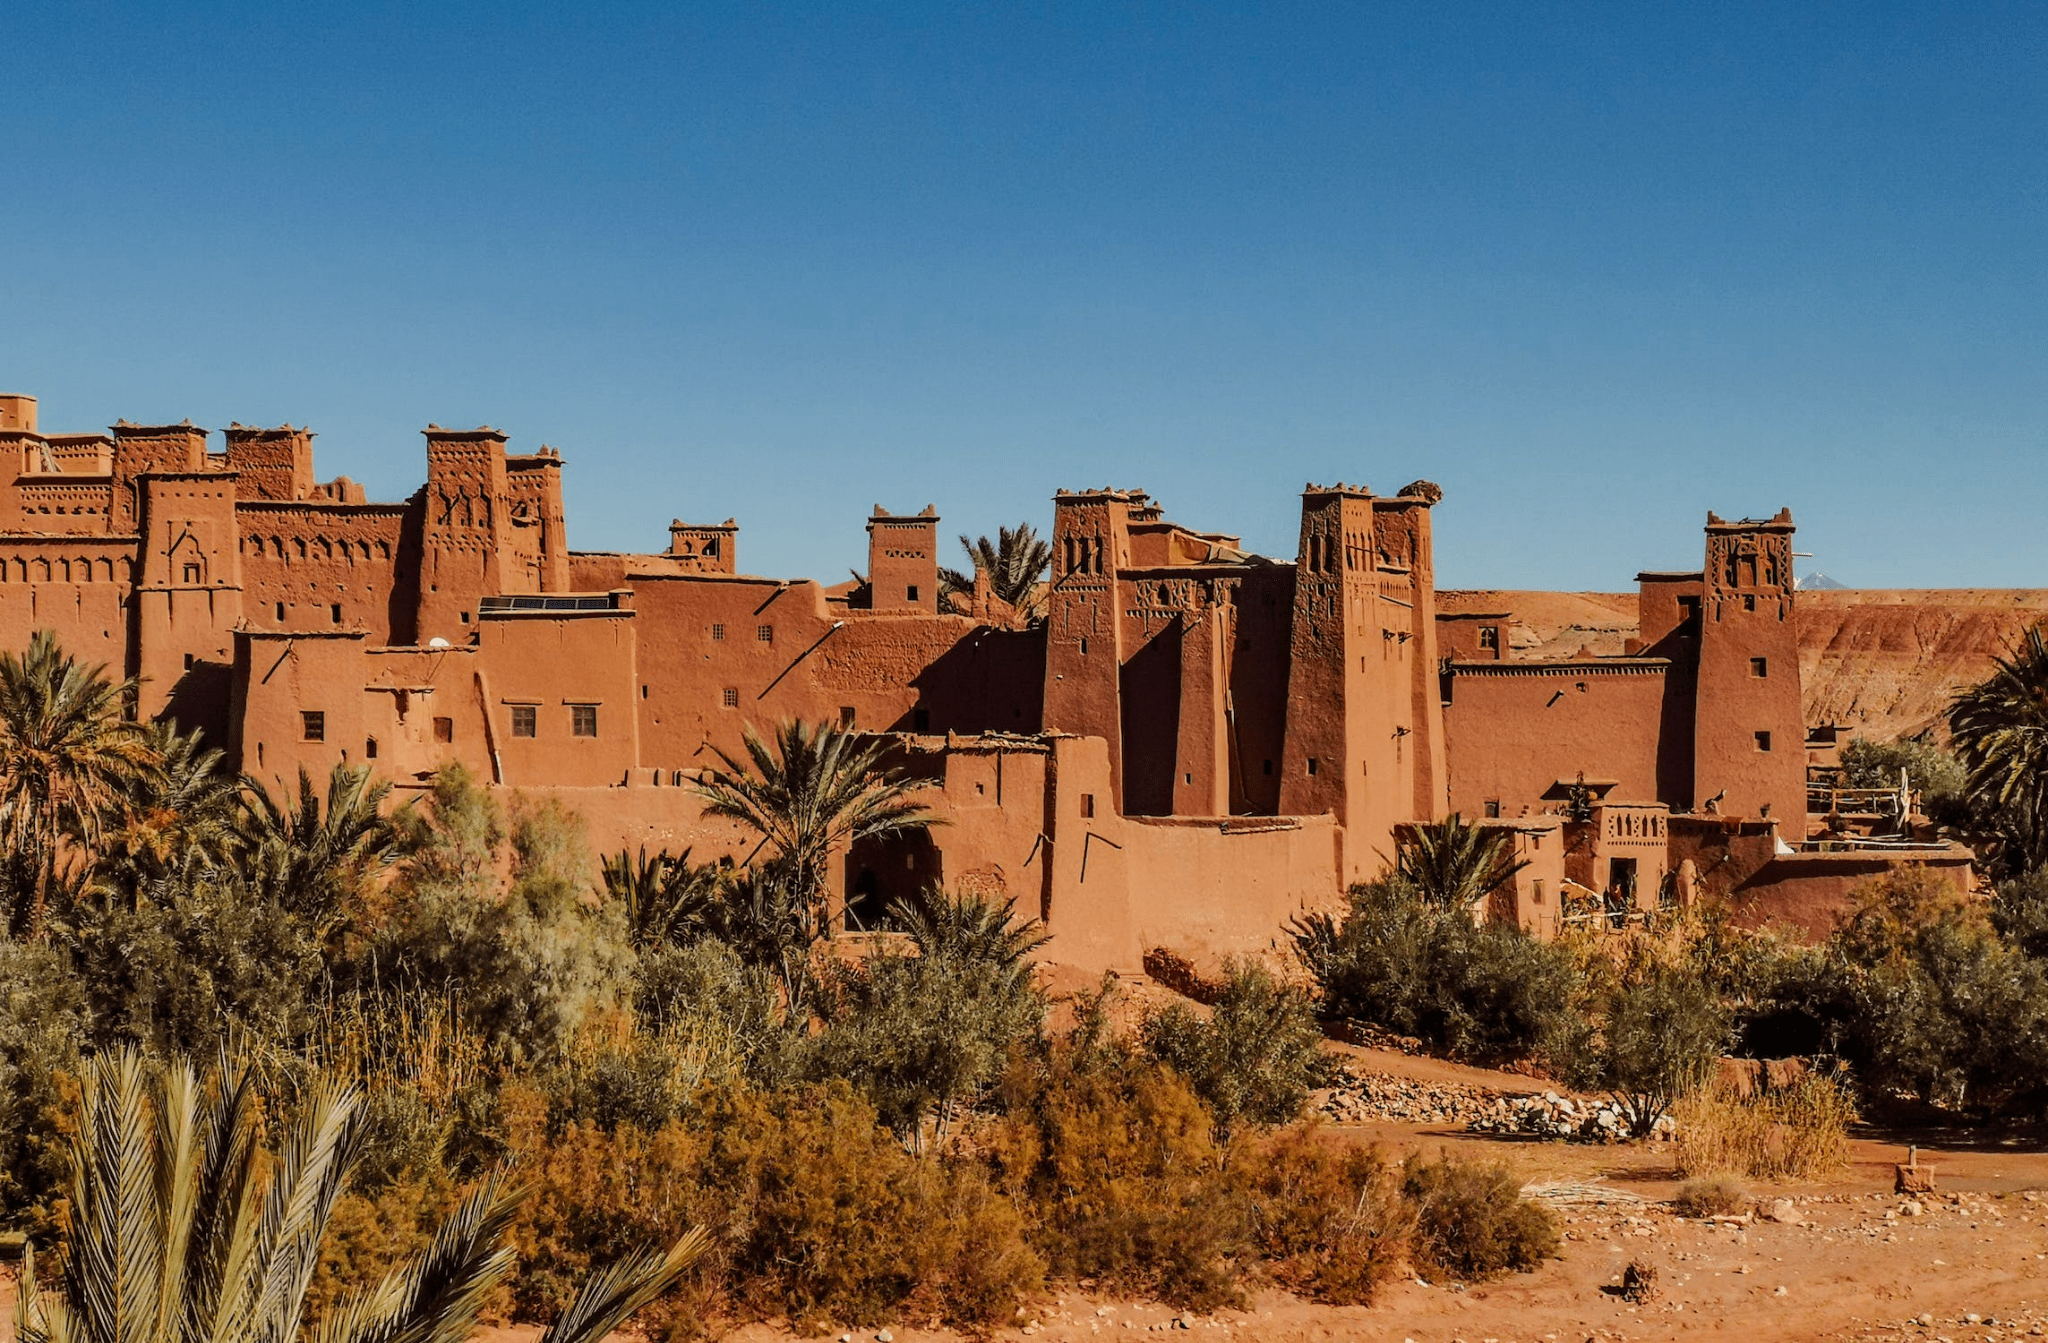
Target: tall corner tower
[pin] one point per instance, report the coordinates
(1084, 638)
(463, 535)
(1749, 734)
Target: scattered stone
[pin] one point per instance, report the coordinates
(1638, 1283)
(1782, 1210)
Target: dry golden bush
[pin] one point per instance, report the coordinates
(1794, 1132)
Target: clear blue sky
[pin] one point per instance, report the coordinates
(1593, 268)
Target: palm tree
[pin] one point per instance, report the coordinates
(2000, 730)
(1454, 864)
(973, 930)
(311, 858)
(667, 897)
(68, 754)
(1014, 563)
(188, 805)
(183, 1230)
(813, 790)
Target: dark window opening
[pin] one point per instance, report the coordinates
(336, 609)
(1489, 636)
(313, 725)
(718, 632)
(1313, 766)
(1759, 667)
(1087, 804)
(188, 662)
(764, 633)
(370, 749)
(912, 590)
(1749, 601)
(444, 729)
(1493, 807)
(465, 617)
(583, 720)
(191, 573)
(525, 720)
(280, 610)
(846, 715)
(730, 697)
(643, 692)
(1084, 648)
(1763, 741)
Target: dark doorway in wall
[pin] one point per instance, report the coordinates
(881, 872)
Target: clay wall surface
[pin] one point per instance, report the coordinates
(1206, 888)
(553, 664)
(1084, 655)
(76, 586)
(708, 671)
(315, 566)
(1809, 892)
(273, 464)
(75, 505)
(1516, 729)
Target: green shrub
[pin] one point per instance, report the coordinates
(531, 964)
(1472, 1222)
(1255, 1057)
(1937, 775)
(1487, 992)
(915, 1032)
(1661, 1035)
(1326, 1216)
(41, 1029)
(1710, 1196)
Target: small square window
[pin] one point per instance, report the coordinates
(1313, 766)
(911, 592)
(1760, 667)
(525, 720)
(336, 610)
(370, 749)
(191, 573)
(188, 662)
(465, 617)
(764, 634)
(313, 725)
(1084, 648)
(1493, 807)
(280, 610)
(846, 715)
(1187, 778)
(718, 633)
(1489, 636)
(1763, 741)
(1749, 601)
(1087, 804)
(444, 729)
(1536, 892)
(583, 720)
(730, 697)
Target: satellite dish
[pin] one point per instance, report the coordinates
(438, 642)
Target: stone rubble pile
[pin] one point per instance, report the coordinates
(1549, 1115)
(1363, 1098)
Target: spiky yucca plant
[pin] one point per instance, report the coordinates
(183, 1230)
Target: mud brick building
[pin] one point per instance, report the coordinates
(1194, 744)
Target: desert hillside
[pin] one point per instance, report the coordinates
(1882, 661)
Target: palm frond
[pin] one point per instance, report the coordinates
(614, 1293)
